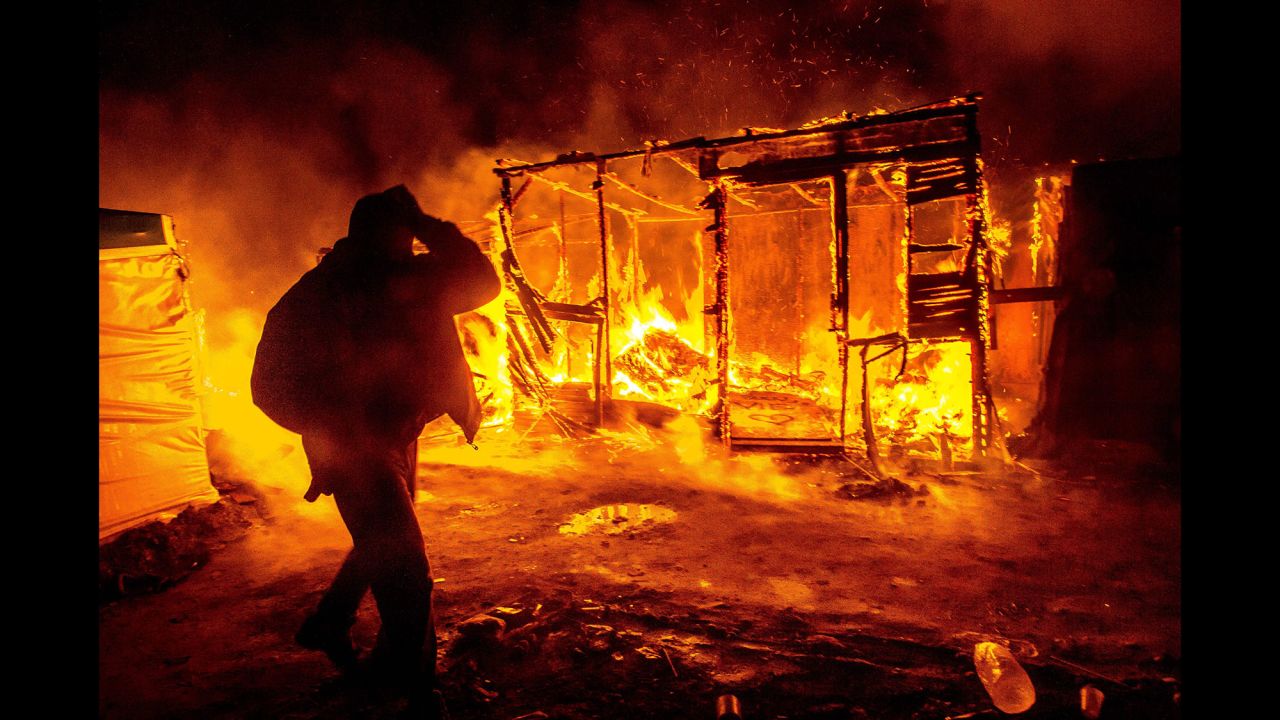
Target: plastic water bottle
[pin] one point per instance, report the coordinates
(1091, 702)
(728, 708)
(1006, 682)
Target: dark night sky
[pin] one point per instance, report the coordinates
(1062, 80)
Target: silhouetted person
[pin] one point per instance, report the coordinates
(357, 357)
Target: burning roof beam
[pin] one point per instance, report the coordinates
(879, 146)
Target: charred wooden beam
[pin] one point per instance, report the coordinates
(788, 445)
(604, 354)
(716, 202)
(588, 314)
(958, 106)
(840, 310)
(774, 172)
(565, 188)
(940, 247)
(611, 177)
(524, 187)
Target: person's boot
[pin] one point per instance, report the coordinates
(333, 639)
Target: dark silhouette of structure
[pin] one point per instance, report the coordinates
(1114, 367)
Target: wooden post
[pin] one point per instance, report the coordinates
(840, 312)
(868, 429)
(980, 271)
(604, 354)
(719, 200)
(595, 377)
(562, 278)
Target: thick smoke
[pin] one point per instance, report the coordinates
(1083, 80)
(260, 170)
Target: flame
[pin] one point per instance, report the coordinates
(999, 232)
(1046, 214)
(658, 319)
(660, 364)
(931, 398)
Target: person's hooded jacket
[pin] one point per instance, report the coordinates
(365, 342)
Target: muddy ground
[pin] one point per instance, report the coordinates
(643, 575)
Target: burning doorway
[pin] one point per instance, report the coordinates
(767, 280)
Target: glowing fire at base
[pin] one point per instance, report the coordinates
(659, 365)
(932, 397)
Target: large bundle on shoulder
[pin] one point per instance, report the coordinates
(295, 378)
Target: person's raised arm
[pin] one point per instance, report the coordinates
(465, 275)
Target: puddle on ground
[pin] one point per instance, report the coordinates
(792, 592)
(617, 519)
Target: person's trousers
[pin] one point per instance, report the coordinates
(388, 556)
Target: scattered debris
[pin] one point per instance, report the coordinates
(670, 664)
(480, 630)
(648, 653)
(890, 487)
(158, 555)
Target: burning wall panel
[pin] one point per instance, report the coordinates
(926, 134)
(784, 371)
(877, 263)
(1030, 200)
(659, 250)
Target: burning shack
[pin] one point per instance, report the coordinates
(809, 290)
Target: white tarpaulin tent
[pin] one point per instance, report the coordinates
(151, 450)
